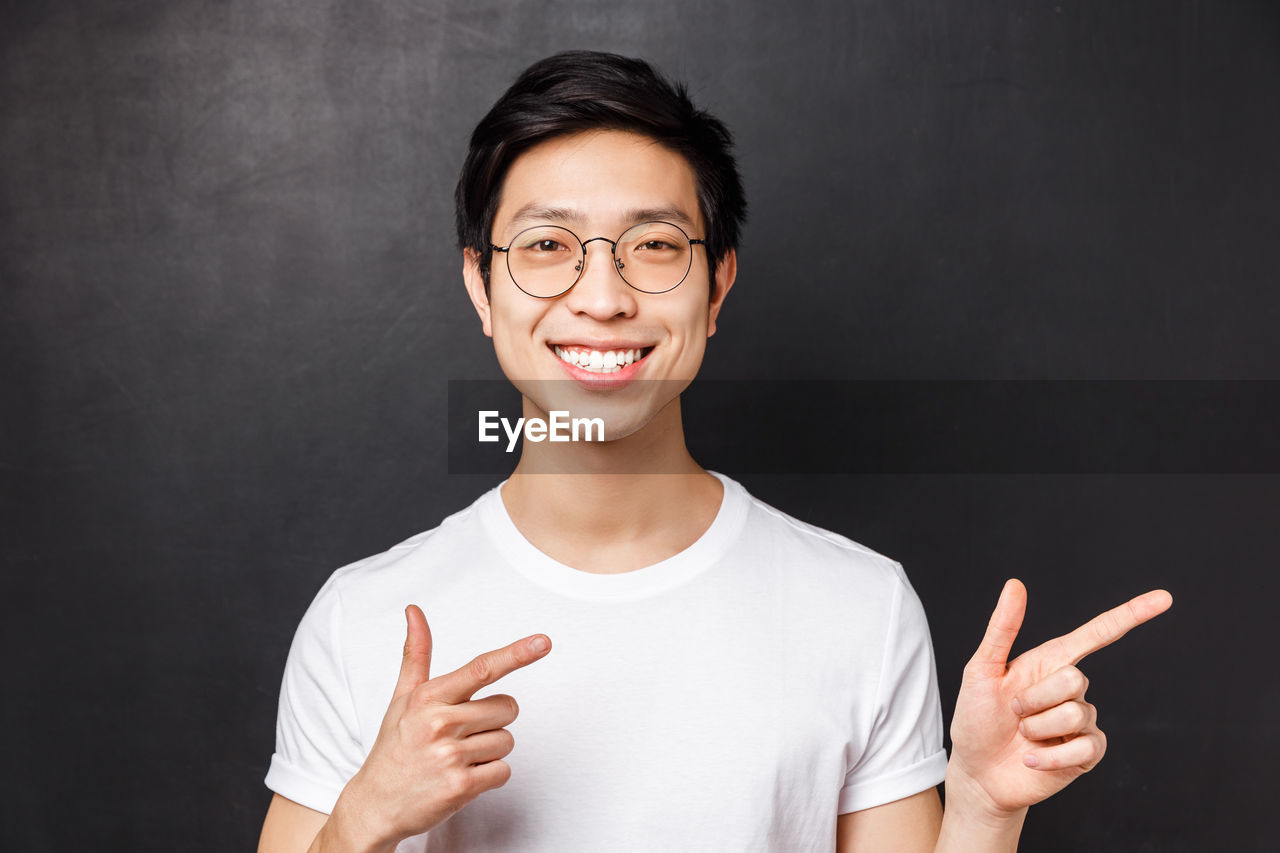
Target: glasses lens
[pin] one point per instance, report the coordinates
(544, 261)
(654, 256)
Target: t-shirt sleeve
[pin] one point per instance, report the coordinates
(317, 734)
(904, 753)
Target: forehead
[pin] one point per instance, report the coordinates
(599, 180)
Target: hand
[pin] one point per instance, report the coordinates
(437, 749)
(1022, 730)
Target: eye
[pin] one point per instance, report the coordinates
(655, 245)
(541, 245)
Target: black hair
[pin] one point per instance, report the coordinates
(581, 90)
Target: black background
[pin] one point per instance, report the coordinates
(231, 305)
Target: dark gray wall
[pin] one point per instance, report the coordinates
(230, 305)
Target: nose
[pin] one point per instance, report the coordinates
(600, 292)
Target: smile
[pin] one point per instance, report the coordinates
(600, 361)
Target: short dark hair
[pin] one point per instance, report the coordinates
(581, 90)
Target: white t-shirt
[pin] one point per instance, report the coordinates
(737, 696)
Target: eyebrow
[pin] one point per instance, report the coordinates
(534, 213)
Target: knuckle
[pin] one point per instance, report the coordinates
(508, 741)
(1095, 747)
(1135, 616)
(456, 785)
(501, 773)
(1075, 679)
(438, 726)
(425, 696)
(481, 669)
(449, 753)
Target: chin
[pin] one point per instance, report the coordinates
(623, 412)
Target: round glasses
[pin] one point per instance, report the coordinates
(546, 260)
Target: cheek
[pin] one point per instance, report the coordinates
(695, 324)
(692, 344)
(506, 341)
(512, 333)
(694, 352)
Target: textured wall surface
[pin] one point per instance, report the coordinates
(230, 305)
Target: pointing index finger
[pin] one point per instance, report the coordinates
(460, 685)
(1105, 628)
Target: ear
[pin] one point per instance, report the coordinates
(726, 272)
(475, 288)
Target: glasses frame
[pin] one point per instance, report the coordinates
(613, 251)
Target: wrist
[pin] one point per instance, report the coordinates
(353, 828)
(971, 823)
(968, 801)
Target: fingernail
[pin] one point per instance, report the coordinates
(539, 644)
(1017, 706)
(1030, 760)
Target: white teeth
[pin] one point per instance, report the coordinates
(598, 361)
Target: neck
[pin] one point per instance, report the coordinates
(592, 506)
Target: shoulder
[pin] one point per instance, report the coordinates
(355, 621)
(817, 553)
(822, 582)
(850, 609)
(430, 556)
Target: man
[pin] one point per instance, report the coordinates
(725, 677)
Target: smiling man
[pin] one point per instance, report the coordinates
(724, 677)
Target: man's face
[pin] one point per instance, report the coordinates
(599, 184)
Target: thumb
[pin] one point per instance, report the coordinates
(415, 667)
(992, 656)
